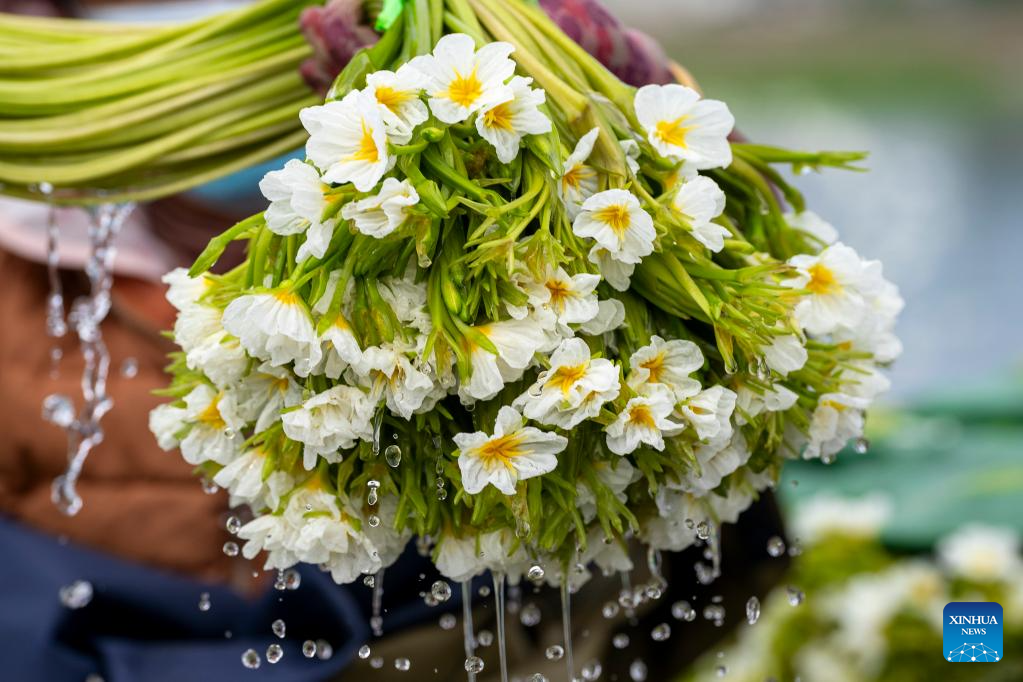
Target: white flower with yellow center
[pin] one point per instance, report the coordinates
(383, 213)
(673, 528)
(340, 347)
(462, 558)
(330, 421)
(461, 80)
(516, 341)
(208, 348)
(215, 433)
(514, 453)
(837, 419)
(981, 553)
(275, 326)
(505, 124)
(388, 372)
(298, 199)
(785, 354)
(644, 420)
(398, 94)
(348, 140)
(264, 393)
(700, 201)
(838, 284)
(667, 363)
(243, 479)
(579, 181)
(716, 460)
(572, 298)
(615, 219)
(610, 316)
(574, 388)
(710, 412)
(614, 272)
(682, 126)
(751, 402)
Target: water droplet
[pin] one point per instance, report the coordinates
(537, 677)
(637, 671)
(392, 454)
(448, 621)
(441, 591)
(129, 368)
(682, 610)
(279, 628)
(554, 652)
(704, 574)
(474, 664)
(324, 651)
(795, 549)
(58, 409)
(233, 525)
(591, 670)
(620, 640)
(715, 613)
(309, 648)
(721, 671)
(208, 486)
(530, 615)
(752, 610)
(609, 610)
(364, 651)
(442, 494)
(292, 579)
(484, 591)
(231, 548)
(861, 446)
(369, 580)
(794, 595)
(535, 573)
(402, 664)
(204, 601)
(661, 632)
(703, 530)
(775, 546)
(485, 638)
(274, 652)
(377, 662)
(372, 495)
(251, 659)
(652, 592)
(76, 595)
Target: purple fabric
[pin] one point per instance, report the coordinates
(336, 31)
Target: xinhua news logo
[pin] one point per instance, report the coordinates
(972, 632)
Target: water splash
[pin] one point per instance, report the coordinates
(468, 636)
(376, 621)
(87, 314)
(502, 647)
(566, 627)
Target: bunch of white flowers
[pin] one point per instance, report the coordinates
(529, 311)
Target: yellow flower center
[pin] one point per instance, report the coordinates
(566, 377)
(654, 365)
(465, 90)
(367, 150)
(499, 118)
(501, 451)
(696, 409)
(391, 98)
(822, 280)
(673, 132)
(616, 217)
(286, 297)
(560, 292)
(574, 176)
(836, 406)
(211, 416)
(279, 384)
(640, 415)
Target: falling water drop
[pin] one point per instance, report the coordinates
(373, 520)
(591, 670)
(535, 573)
(775, 546)
(309, 648)
(292, 579)
(721, 671)
(620, 640)
(715, 613)
(537, 677)
(129, 368)
(447, 621)
(251, 659)
(485, 638)
(204, 601)
(861, 446)
(274, 653)
(377, 662)
(372, 496)
(499, 604)
(364, 651)
(392, 455)
(324, 651)
(637, 671)
(76, 595)
(378, 426)
(566, 627)
(661, 633)
(752, 610)
(468, 638)
(554, 652)
(473, 665)
(376, 621)
(369, 580)
(402, 664)
(530, 615)
(682, 610)
(441, 590)
(231, 548)
(795, 595)
(703, 530)
(279, 628)
(609, 609)
(233, 525)
(58, 409)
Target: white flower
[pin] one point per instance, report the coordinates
(632, 153)
(263, 394)
(573, 390)
(380, 215)
(616, 474)
(825, 514)
(165, 423)
(208, 348)
(397, 93)
(340, 347)
(644, 420)
(614, 272)
(786, 354)
(182, 290)
(348, 140)
(457, 558)
(812, 224)
(615, 219)
(387, 371)
(215, 431)
(330, 421)
(875, 333)
(682, 126)
(572, 299)
(838, 282)
(752, 402)
(579, 181)
(700, 200)
(514, 453)
(505, 124)
(981, 553)
(463, 558)
(610, 316)
(673, 528)
(243, 479)
(297, 198)
(669, 363)
(716, 460)
(516, 342)
(710, 412)
(276, 327)
(837, 419)
(461, 80)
